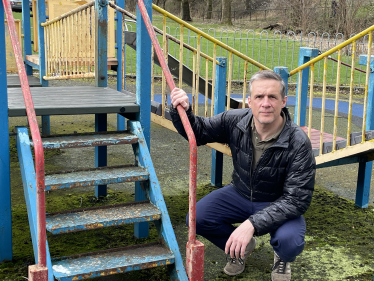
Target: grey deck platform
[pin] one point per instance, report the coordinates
(72, 100)
(14, 82)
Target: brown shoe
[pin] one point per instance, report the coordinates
(281, 271)
(236, 266)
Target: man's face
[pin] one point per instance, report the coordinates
(266, 101)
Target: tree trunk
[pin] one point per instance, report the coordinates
(226, 12)
(209, 8)
(247, 5)
(185, 6)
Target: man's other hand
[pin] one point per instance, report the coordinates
(239, 240)
(178, 96)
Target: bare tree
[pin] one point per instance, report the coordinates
(346, 21)
(209, 8)
(298, 14)
(185, 8)
(226, 12)
(160, 3)
(256, 4)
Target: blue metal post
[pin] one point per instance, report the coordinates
(284, 73)
(46, 125)
(101, 77)
(305, 54)
(26, 33)
(5, 207)
(219, 106)
(100, 151)
(121, 123)
(41, 18)
(365, 168)
(143, 96)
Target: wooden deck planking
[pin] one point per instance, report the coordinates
(14, 82)
(315, 137)
(72, 100)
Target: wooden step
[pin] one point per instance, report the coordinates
(97, 176)
(112, 261)
(88, 140)
(103, 216)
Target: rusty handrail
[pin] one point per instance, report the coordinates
(35, 134)
(185, 121)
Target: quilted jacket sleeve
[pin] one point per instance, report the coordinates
(297, 193)
(206, 129)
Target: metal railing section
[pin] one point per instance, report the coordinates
(349, 48)
(199, 63)
(268, 48)
(166, 37)
(187, 126)
(70, 44)
(35, 134)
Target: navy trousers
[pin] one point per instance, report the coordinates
(217, 211)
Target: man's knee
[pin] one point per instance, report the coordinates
(202, 224)
(288, 242)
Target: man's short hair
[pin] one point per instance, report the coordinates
(268, 74)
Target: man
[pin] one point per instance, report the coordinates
(272, 182)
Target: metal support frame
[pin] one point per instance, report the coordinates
(219, 106)
(29, 187)
(365, 168)
(42, 67)
(41, 18)
(5, 202)
(101, 80)
(121, 121)
(305, 54)
(26, 33)
(143, 96)
(284, 73)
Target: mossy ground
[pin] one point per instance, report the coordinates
(340, 240)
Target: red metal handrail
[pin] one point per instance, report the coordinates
(35, 134)
(190, 134)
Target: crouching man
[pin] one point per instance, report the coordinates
(272, 182)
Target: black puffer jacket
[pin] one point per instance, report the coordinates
(284, 175)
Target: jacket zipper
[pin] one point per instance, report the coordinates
(252, 176)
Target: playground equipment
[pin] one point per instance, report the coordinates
(345, 150)
(150, 204)
(11, 62)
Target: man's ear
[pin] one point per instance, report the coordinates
(249, 101)
(284, 101)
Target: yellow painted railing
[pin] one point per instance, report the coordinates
(70, 44)
(347, 48)
(201, 61)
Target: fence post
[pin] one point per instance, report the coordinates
(143, 96)
(305, 54)
(101, 81)
(365, 168)
(121, 124)
(5, 204)
(284, 73)
(219, 106)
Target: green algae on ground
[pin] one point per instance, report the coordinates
(339, 238)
